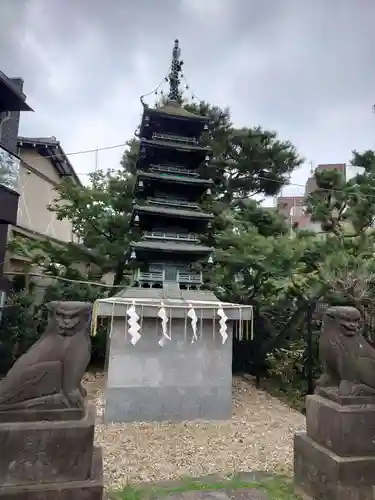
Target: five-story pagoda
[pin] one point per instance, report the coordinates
(166, 216)
(169, 351)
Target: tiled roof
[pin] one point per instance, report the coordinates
(11, 96)
(53, 143)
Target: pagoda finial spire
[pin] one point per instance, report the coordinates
(174, 76)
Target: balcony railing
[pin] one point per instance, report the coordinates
(160, 235)
(185, 278)
(174, 138)
(192, 278)
(174, 170)
(149, 277)
(9, 169)
(172, 202)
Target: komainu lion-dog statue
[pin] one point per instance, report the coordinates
(49, 374)
(348, 359)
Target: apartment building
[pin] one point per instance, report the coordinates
(293, 207)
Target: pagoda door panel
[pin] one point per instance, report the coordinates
(170, 273)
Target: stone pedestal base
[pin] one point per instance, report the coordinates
(179, 381)
(49, 459)
(323, 475)
(335, 459)
(89, 489)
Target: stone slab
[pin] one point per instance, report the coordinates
(175, 404)
(345, 430)
(34, 415)
(90, 489)
(321, 474)
(237, 494)
(46, 452)
(333, 394)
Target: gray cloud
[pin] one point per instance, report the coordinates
(304, 69)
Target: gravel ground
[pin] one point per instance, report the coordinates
(258, 437)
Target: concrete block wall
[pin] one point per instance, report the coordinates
(179, 381)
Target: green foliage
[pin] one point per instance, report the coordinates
(246, 161)
(24, 320)
(21, 324)
(346, 208)
(287, 363)
(257, 250)
(258, 261)
(100, 215)
(278, 487)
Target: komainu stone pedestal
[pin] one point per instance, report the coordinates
(335, 458)
(49, 455)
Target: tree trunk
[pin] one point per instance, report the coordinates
(119, 274)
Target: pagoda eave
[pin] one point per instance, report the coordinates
(170, 246)
(175, 111)
(177, 146)
(168, 251)
(197, 181)
(171, 212)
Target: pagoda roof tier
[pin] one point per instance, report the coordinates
(174, 179)
(174, 110)
(157, 152)
(171, 212)
(178, 146)
(152, 216)
(171, 246)
(172, 117)
(171, 169)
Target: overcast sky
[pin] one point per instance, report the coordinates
(305, 68)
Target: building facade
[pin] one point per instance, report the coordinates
(293, 207)
(12, 102)
(43, 166)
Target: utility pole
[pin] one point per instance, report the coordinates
(96, 157)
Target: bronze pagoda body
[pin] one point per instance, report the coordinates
(166, 216)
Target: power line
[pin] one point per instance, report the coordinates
(124, 144)
(82, 282)
(276, 181)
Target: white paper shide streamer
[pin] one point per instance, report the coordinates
(133, 322)
(162, 313)
(193, 316)
(223, 324)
